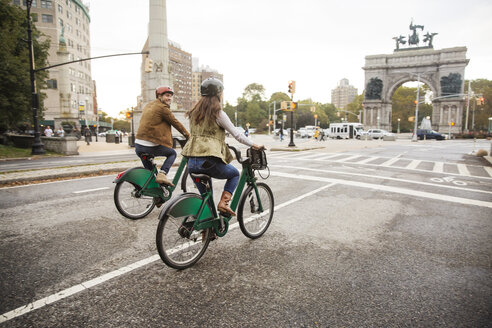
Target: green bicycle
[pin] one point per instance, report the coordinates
(190, 221)
(136, 193)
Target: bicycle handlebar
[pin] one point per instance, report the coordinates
(237, 152)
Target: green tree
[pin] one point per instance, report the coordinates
(404, 108)
(481, 113)
(15, 85)
(254, 92)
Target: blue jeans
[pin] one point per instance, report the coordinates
(160, 150)
(215, 168)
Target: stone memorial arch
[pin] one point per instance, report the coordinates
(442, 70)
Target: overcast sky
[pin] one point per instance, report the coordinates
(314, 42)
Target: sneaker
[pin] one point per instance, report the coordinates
(161, 178)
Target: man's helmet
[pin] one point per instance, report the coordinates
(163, 89)
(211, 87)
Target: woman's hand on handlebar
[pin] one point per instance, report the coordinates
(258, 147)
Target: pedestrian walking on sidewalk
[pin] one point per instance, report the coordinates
(87, 135)
(281, 134)
(207, 150)
(154, 134)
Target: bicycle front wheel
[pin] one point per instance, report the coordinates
(129, 204)
(253, 221)
(178, 244)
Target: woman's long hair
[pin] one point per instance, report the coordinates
(207, 108)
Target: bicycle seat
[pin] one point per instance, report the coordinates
(146, 156)
(200, 177)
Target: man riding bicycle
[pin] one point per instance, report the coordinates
(154, 134)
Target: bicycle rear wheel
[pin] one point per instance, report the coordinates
(180, 246)
(127, 202)
(252, 221)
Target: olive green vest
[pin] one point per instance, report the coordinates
(207, 139)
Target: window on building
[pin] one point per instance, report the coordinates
(72, 87)
(60, 22)
(60, 9)
(34, 17)
(69, 15)
(52, 84)
(17, 2)
(46, 4)
(34, 3)
(47, 18)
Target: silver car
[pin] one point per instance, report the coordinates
(378, 133)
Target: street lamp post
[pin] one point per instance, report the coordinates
(133, 130)
(37, 146)
(398, 130)
(414, 138)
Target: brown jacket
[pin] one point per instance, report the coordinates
(155, 124)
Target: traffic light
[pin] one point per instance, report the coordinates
(292, 86)
(294, 105)
(149, 65)
(415, 101)
(452, 123)
(129, 114)
(482, 100)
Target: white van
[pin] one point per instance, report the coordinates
(345, 130)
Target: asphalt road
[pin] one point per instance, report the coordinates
(369, 238)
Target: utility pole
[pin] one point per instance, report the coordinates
(37, 146)
(292, 90)
(468, 106)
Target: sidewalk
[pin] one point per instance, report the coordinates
(103, 148)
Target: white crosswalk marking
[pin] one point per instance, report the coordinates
(463, 170)
(351, 158)
(391, 161)
(413, 164)
(367, 160)
(329, 156)
(438, 167)
(348, 158)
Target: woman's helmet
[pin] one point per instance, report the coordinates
(211, 87)
(163, 89)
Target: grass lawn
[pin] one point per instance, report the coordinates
(13, 152)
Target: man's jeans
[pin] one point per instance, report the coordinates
(215, 168)
(160, 150)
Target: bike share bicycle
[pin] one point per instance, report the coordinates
(136, 192)
(190, 221)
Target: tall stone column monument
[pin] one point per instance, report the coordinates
(157, 45)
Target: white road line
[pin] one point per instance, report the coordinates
(89, 190)
(118, 272)
(329, 156)
(463, 170)
(384, 178)
(414, 193)
(413, 164)
(488, 170)
(367, 160)
(390, 161)
(438, 167)
(348, 158)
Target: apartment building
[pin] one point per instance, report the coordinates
(70, 93)
(343, 94)
(200, 74)
(180, 69)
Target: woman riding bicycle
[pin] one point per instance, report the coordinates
(206, 148)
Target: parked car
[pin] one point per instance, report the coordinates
(429, 134)
(102, 134)
(378, 133)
